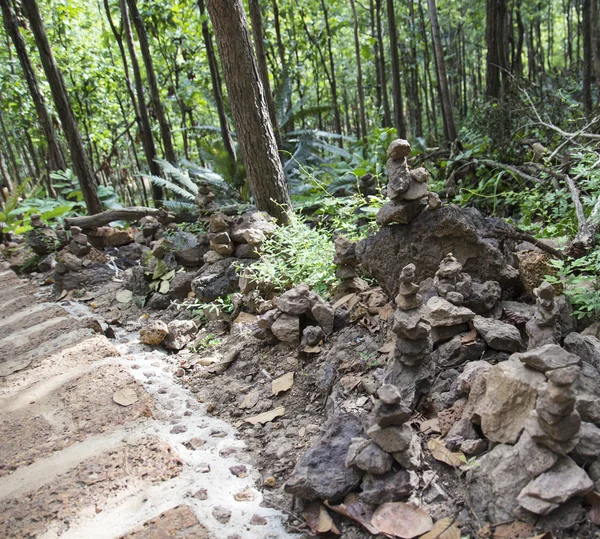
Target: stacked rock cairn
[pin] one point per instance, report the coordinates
(408, 189)
(543, 328)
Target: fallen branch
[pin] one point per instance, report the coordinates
(134, 213)
(523, 236)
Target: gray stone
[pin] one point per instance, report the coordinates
(295, 301)
(370, 458)
(588, 448)
(548, 357)
(181, 285)
(287, 329)
(388, 415)
(216, 280)
(443, 313)
(398, 178)
(499, 335)
(255, 221)
(399, 211)
(586, 347)
(321, 473)
(390, 487)
(454, 352)
(411, 324)
(389, 394)
(587, 391)
(180, 333)
(540, 436)
(244, 250)
(324, 314)
(411, 458)
(398, 149)
(312, 335)
(391, 439)
(483, 297)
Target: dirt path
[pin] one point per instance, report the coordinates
(75, 463)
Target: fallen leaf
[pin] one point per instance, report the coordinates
(443, 529)
(164, 287)
(356, 510)
(312, 349)
(401, 520)
(469, 338)
(124, 296)
(440, 452)
(387, 347)
(63, 294)
(594, 515)
(349, 382)
(386, 311)
(244, 496)
(343, 300)
(513, 530)
(485, 532)
(245, 318)
(126, 396)
(250, 400)
(319, 520)
(430, 426)
(283, 383)
(547, 535)
(266, 417)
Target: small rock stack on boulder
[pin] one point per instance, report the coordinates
(347, 268)
(408, 189)
(299, 313)
(79, 244)
(544, 328)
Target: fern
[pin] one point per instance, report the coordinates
(177, 206)
(180, 176)
(157, 180)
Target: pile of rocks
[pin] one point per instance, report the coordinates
(299, 314)
(408, 189)
(347, 268)
(544, 328)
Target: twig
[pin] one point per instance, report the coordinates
(523, 236)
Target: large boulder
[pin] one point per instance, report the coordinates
(321, 473)
(429, 237)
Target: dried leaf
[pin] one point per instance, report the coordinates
(266, 417)
(370, 323)
(485, 532)
(356, 510)
(443, 529)
(250, 400)
(440, 452)
(401, 520)
(244, 496)
(343, 300)
(283, 383)
(319, 520)
(312, 349)
(387, 347)
(386, 311)
(124, 296)
(469, 337)
(349, 382)
(514, 530)
(430, 426)
(245, 318)
(547, 535)
(126, 396)
(164, 287)
(594, 515)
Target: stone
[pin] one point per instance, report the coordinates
(295, 301)
(565, 480)
(411, 458)
(390, 487)
(548, 357)
(47, 263)
(193, 257)
(410, 324)
(43, 240)
(266, 320)
(588, 448)
(212, 257)
(467, 379)
(321, 473)
(254, 236)
(399, 149)
(484, 297)
(391, 439)
(453, 352)
(563, 430)
(180, 333)
(106, 236)
(461, 231)
(473, 447)
(398, 178)
(445, 333)
(93, 275)
(564, 376)
(399, 211)
(218, 222)
(587, 347)
(216, 280)
(371, 458)
(389, 394)
(255, 221)
(221, 514)
(587, 392)
(444, 313)
(324, 314)
(158, 302)
(388, 415)
(287, 329)
(244, 250)
(499, 335)
(345, 252)
(416, 190)
(540, 436)
(154, 332)
(219, 238)
(181, 285)
(312, 336)
(420, 175)
(511, 394)
(224, 249)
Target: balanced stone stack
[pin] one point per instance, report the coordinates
(450, 281)
(347, 268)
(544, 327)
(79, 245)
(413, 332)
(408, 189)
(555, 422)
(205, 198)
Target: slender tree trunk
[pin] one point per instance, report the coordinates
(438, 53)
(595, 15)
(6, 180)
(216, 84)
(387, 115)
(497, 64)
(333, 81)
(15, 174)
(165, 129)
(359, 82)
(261, 60)
(144, 125)
(399, 122)
(587, 58)
(414, 71)
(249, 108)
(55, 156)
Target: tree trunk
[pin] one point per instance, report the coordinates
(387, 115)
(496, 63)
(56, 159)
(81, 165)
(333, 81)
(261, 60)
(399, 122)
(249, 108)
(165, 129)
(144, 124)
(596, 41)
(438, 53)
(587, 58)
(216, 84)
(359, 82)
(15, 173)
(5, 179)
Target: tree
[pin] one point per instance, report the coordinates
(56, 160)
(359, 80)
(249, 108)
(497, 60)
(399, 122)
(81, 165)
(440, 64)
(587, 57)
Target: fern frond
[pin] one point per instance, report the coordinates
(175, 205)
(157, 180)
(178, 175)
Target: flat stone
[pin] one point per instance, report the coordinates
(391, 439)
(388, 415)
(444, 313)
(399, 211)
(389, 394)
(534, 429)
(324, 315)
(548, 357)
(588, 448)
(499, 335)
(390, 487)
(563, 430)
(177, 522)
(564, 376)
(410, 324)
(295, 301)
(372, 459)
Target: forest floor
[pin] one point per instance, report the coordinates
(98, 440)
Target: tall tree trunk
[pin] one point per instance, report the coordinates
(249, 108)
(587, 58)
(414, 72)
(359, 82)
(440, 63)
(216, 84)
(165, 129)
(387, 115)
(261, 60)
(5, 178)
(399, 122)
(10, 151)
(596, 41)
(496, 64)
(333, 80)
(144, 124)
(81, 165)
(56, 159)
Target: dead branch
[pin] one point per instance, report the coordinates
(524, 236)
(134, 213)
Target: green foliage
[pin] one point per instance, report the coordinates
(296, 254)
(212, 309)
(206, 342)
(161, 277)
(580, 280)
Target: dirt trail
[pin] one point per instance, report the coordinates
(77, 464)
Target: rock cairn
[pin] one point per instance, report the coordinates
(450, 281)
(347, 267)
(79, 245)
(299, 314)
(408, 189)
(544, 327)
(413, 332)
